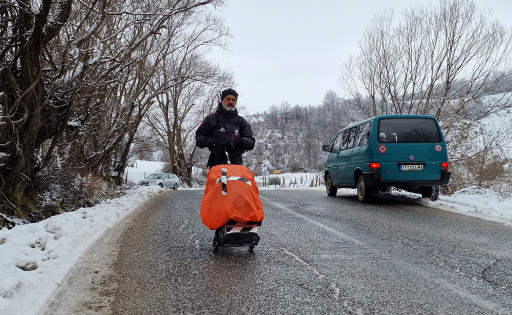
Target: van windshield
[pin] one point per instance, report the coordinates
(407, 130)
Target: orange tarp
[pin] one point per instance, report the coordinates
(230, 194)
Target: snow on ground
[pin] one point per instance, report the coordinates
(35, 258)
(141, 169)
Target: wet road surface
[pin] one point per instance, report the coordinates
(317, 255)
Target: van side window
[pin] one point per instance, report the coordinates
(337, 142)
(352, 138)
(363, 134)
(348, 138)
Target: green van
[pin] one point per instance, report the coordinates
(402, 151)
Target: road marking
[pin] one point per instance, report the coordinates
(332, 285)
(180, 229)
(321, 225)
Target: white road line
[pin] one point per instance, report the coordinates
(321, 225)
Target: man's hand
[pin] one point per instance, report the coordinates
(212, 143)
(239, 144)
(235, 144)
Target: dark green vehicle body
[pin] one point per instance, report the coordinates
(403, 151)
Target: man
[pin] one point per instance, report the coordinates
(225, 131)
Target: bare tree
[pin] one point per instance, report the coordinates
(74, 81)
(433, 57)
(181, 108)
(477, 154)
(26, 32)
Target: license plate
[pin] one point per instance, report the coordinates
(411, 167)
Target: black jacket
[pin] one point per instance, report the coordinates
(225, 126)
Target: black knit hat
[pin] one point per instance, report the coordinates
(228, 92)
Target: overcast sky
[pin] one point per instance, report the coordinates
(292, 50)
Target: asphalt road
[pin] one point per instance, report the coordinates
(317, 255)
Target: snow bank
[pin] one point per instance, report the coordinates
(36, 257)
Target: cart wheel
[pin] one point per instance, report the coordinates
(215, 243)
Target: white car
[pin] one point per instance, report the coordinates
(162, 180)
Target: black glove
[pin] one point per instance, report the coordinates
(235, 144)
(228, 145)
(212, 143)
(239, 144)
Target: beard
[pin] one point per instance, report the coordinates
(229, 109)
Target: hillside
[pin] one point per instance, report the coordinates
(290, 138)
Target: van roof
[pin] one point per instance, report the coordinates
(387, 116)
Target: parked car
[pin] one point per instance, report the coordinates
(403, 151)
(162, 180)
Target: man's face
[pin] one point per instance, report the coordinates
(229, 101)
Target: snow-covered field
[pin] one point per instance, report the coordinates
(35, 258)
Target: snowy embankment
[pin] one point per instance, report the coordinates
(473, 201)
(35, 258)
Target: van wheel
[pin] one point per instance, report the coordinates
(430, 192)
(331, 190)
(364, 193)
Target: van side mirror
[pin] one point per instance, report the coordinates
(326, 148)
